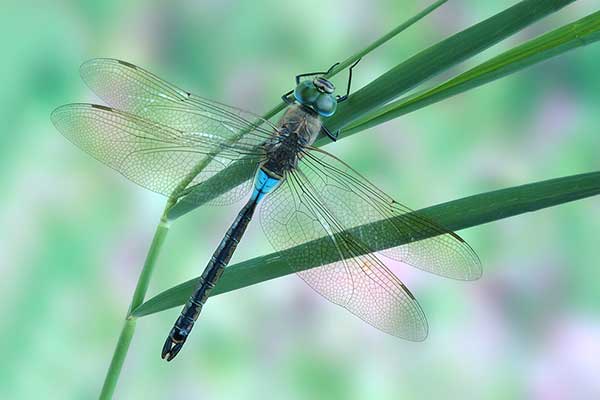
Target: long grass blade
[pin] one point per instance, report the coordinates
(577, 34)
(455, 215)
(440, 57)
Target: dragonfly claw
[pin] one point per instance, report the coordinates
(173, 344)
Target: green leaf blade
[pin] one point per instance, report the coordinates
(579, 33)
(440, 57)
(455, 215)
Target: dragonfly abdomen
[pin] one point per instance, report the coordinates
(264, 183)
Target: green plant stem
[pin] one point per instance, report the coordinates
(116, 364)
(383, 39)
(358, 55)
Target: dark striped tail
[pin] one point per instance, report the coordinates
(208, 280)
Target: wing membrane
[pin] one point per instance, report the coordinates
(150, 154)
(357, 202)
(130, 88)
(294, 214)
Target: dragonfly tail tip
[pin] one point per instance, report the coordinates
(171, 348)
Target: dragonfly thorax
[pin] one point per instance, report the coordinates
(297, 129)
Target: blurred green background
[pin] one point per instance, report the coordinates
(74, 233)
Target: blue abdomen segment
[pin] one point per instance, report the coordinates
(264, 183)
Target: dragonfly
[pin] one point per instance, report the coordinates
(157, 135)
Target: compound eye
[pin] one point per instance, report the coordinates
(306, 93)
(326, 105)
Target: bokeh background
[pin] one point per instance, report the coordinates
(74, 233)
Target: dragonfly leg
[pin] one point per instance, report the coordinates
(286, 98)
(315, 73)
(332, 136)
(345, 97)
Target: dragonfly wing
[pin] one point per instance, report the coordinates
(150, 154)
(357, 202)
(293, 215)
(218, 180)
(130, 88)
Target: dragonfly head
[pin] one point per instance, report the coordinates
(318, 95)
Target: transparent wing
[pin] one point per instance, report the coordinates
(205, 190)
(294, 214)
(356, 202)
(150, 154)
(130, 88)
